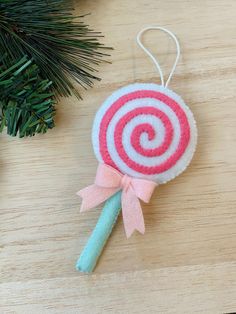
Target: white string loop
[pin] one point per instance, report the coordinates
(155, 61)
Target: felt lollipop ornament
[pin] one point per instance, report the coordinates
(143, 135)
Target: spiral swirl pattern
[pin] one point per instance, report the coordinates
(145, 131)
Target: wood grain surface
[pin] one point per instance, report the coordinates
(186, 262)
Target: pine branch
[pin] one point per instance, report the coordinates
(26, 100)
(62, 46)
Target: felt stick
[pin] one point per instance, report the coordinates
(93, 249)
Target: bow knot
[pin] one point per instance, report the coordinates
(125, 182)
(108, 181)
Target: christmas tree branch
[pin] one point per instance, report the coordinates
(26, 103)
(62, 46)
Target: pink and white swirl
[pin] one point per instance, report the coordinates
(145, 131)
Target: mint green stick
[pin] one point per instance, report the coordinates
(93, 249)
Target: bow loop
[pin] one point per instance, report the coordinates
(107, 177)
(143, 189)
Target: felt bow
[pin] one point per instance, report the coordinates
(107, 182)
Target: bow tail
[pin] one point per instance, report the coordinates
(93, 195)
(132, 213)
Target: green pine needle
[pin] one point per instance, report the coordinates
(62, 46)
(26, 101)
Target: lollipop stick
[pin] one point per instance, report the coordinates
(91, 252)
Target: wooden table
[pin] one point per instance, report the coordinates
(186, 262)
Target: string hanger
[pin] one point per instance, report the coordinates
(154, 59)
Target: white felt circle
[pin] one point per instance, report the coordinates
(158, 127)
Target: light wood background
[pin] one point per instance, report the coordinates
(186, 262)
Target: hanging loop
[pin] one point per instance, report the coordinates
(155, 61)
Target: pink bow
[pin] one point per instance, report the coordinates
(108, 181)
